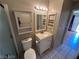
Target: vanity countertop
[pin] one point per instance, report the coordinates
(43, 35)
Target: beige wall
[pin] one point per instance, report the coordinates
(22, 5)
(55, 6)
(62, 8)
(64, 20)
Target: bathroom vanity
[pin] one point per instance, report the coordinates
(43, 37)
(43, 41)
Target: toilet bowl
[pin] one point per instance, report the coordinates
(30, 54)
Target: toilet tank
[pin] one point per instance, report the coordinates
(27, 43)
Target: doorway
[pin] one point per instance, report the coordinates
(74, 24)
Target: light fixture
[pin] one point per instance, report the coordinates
(40, 8)
(46, 9)
(37, 7)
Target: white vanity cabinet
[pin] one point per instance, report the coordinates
(44, 41)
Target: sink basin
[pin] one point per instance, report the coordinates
(43, 35)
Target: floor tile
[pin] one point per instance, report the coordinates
(68, 50)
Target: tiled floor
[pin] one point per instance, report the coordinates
(68, 50)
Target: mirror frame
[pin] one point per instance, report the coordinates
(36, 22)
(16, 15)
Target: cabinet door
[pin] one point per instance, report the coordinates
(44, 44)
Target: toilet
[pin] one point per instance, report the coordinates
(29, 52)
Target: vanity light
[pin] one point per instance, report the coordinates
(37, 7)
(46, 9)
(40, 8)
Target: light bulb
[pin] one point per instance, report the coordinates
(37, 7)
(46, 9)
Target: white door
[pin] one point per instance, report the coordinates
(7, 48)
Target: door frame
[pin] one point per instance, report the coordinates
(67, 25)
(69, 21)
(11, 27)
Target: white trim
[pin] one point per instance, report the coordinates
(25, 32)
(69, 21)
(12, 31)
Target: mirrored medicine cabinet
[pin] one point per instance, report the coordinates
(40, 22)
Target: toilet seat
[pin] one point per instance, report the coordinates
(30, 54)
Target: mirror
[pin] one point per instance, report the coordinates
(24, 22)
(40, 22)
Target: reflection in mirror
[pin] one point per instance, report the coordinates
(24, 22)
(40, 22)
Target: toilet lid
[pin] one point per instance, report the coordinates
(30, 54)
